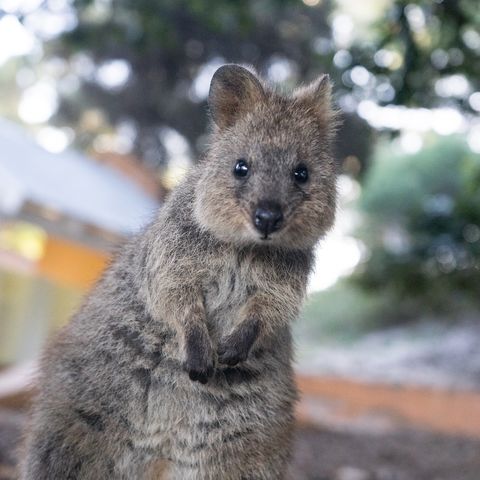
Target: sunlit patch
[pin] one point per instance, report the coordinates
(452, 86)
(114, 74)
(201, 83)
(342, 30)
(23, 239)
(473, 139)
(38, 103)
(411, 142)
(474, 101)
(54, 140)
(15, 39)
(339, 253)
(312, 3)
(444, 121)
(178, 156)
(280, 70)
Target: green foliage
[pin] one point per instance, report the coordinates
(341, 312)
(415, 44)
(167, 44)
(422, 227)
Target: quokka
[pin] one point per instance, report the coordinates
(178, 365)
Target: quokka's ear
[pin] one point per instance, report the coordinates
(317, 97)
(234, 91)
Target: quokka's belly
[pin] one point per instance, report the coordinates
(236, 406)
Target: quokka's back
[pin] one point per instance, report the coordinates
(178, 364)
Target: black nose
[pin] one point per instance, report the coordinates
(268, 217)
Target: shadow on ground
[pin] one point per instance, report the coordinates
(404, 455)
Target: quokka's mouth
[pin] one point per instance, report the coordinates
(268, 237)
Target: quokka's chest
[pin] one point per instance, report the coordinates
(226, 290)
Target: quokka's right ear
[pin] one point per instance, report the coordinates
(317, 99)
(234, 91)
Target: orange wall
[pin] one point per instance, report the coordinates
(71, 264)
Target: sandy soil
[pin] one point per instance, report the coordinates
(431, 354)
(351, 405)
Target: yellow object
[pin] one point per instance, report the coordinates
(23, 238)
(71, 264)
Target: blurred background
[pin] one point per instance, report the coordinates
(103, 108)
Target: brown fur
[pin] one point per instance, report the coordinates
(182, 352)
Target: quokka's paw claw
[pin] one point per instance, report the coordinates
(231, 356)
(235, 348)
(199, 362)
(201, 376)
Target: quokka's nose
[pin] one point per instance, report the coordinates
(268, 217)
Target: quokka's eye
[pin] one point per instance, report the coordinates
(241, 168)
(300, 174)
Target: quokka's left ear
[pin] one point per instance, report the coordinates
(234, 92)
(317, 98)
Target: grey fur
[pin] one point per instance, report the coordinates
(179, 362)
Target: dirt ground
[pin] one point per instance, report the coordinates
(406, 455)
(345, 404)
(322, 454)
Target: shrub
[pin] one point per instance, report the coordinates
(421, 226)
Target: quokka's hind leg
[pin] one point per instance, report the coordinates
(52, 456)
(71, 450)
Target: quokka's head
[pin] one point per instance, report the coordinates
(268, 177)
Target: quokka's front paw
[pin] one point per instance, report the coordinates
(235, 347)
(199, 362)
